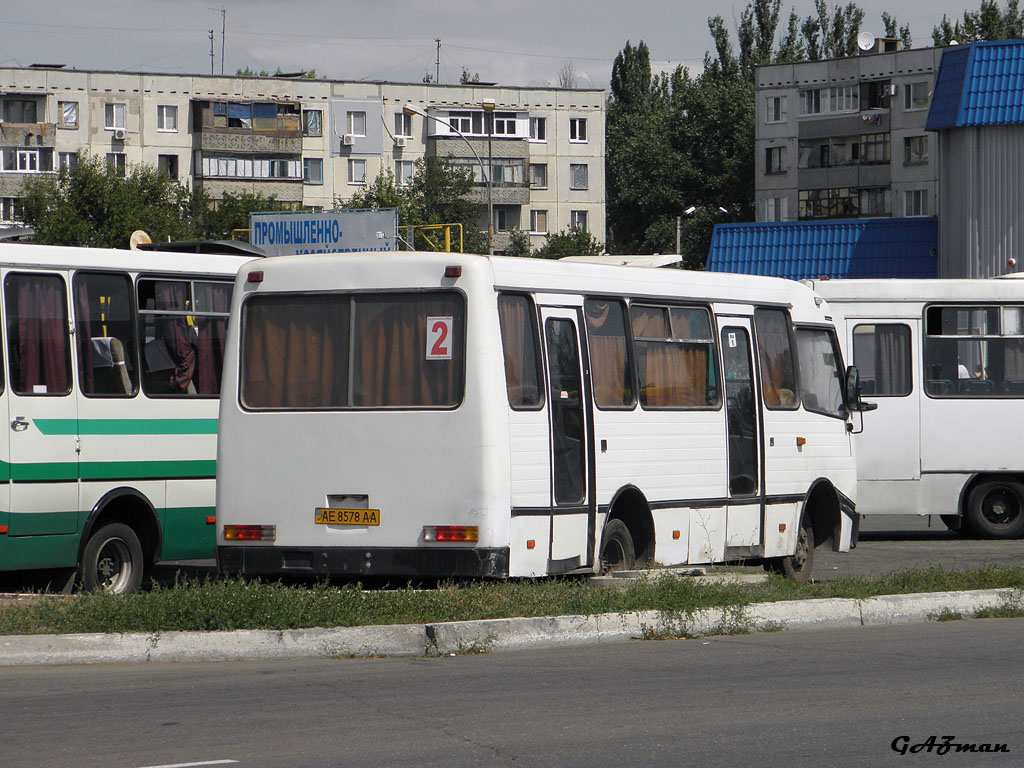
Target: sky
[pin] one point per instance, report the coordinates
(513, 43)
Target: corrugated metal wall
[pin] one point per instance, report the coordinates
(981, 204)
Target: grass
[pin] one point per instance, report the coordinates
(228, 604)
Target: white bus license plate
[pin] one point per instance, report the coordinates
(336, 516)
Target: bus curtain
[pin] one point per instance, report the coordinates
(519, 347)
(41, 336)
(212, 340)
(175, 332)
(608, 356)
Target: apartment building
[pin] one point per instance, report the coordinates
(845, 138)
(537, 154)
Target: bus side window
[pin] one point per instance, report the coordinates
(37, 331)
(518, 322)
(105, 333)
(775, 356)
(881, 353)
(168, 337)
(609, 353)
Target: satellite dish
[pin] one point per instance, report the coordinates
(865, 41)
(138, 238)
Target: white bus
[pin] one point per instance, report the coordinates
(944, 362)
(447, 415)
(111, 374)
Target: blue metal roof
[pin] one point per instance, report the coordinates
(835, 248)
(979, 84)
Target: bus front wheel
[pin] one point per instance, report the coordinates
(995, 509)
(112, 560)
(797, 566)
(617, 552)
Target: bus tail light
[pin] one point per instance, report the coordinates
(453, 271)
(451, 533)
(250, 532)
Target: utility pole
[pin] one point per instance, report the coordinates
(211, 51)
(437, 64)
(223, 30)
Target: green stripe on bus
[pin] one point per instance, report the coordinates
(108, 470)
(126, 426)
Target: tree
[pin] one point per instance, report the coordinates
(986, 23)
(439, 193)
(97, 206)
(217, 219)
(567, 75)
(573, 242)
(465, 78)
(519, 243)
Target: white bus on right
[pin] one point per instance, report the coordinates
(944, 362)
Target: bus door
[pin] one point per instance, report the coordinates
(42, 415)
(889, 447)
(573, 515)
(743, 432)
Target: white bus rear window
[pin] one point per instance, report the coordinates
(336, 351)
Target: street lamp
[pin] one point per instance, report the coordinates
(488, 105)
(409, 109)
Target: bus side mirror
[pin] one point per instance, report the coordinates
(853, 401)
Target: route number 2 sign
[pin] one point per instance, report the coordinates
(439, 338)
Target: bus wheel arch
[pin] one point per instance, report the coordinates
(629, 517)
(120, 541)
(820, 523)
(992, 507)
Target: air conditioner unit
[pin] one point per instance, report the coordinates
(348, 140)
(892, 89)
(399, 141)
(119, 134)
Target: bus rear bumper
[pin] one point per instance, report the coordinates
(424, 562)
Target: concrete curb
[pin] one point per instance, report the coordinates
(491, 634)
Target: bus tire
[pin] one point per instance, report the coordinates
(617, 552)
(796, 567)
(112, 560)
(995, 509)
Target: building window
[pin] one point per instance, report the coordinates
(775, 209)
(67, 161)
(915, 150)
(113, 116)
(538, 175)
(810, 101)
(774, 160)
(116, 162)
(248, 168)
(403, 124)
(28, 160)
(167, 118)
(915, 202)
(875, 95)
(578, 220)
(10, 209)
(578, 129)
(577, 176)
(538, 129)
(356, 171)
(467, 122)
(874, 202)
(915, 96)
(312, 170)
(506, 171)
(67, 114)
(839, 203)
(776, 109)
(19, 111)
(843, 98)
(539, 222)
(874, 148)
(312, 122)
(504, 124)
(168, 164)
(501, 219)
(357, 123)
(404, 170)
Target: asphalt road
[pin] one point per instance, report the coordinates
(814, 698)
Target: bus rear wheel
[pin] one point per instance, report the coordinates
(797, 566)
(995, 510)
(112, 560)
(617, 552)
